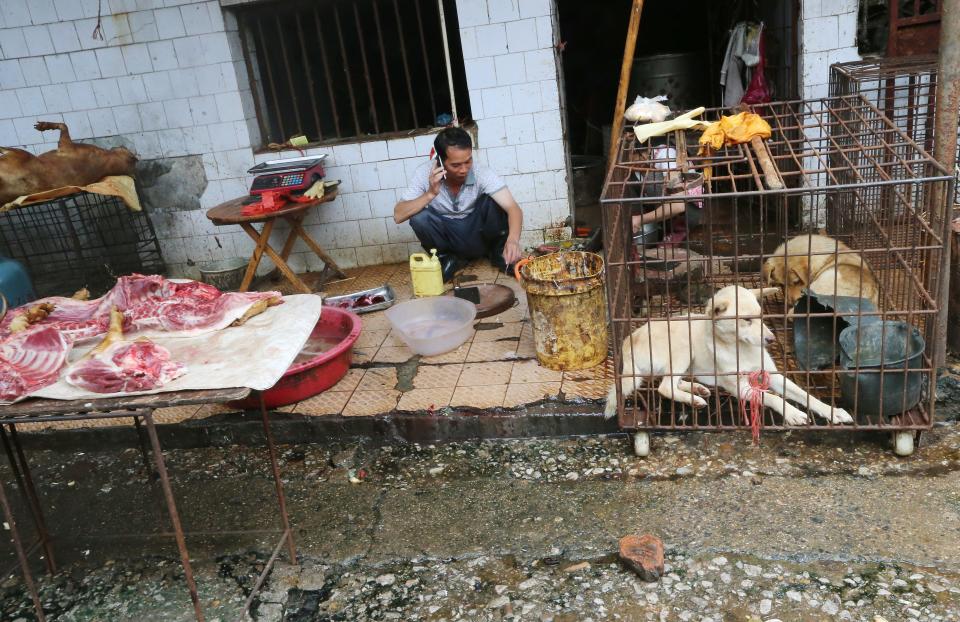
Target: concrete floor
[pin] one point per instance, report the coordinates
(489, 530)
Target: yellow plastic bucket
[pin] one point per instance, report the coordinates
(568, 308)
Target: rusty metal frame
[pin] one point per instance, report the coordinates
(24, 482)
(843, 166)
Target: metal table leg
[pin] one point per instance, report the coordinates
(174, 516)
(281, 500)
(21, 472)
(21, 554)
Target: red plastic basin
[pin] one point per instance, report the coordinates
(306, 379)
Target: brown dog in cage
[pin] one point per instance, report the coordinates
(70, 164)
(721, 348)
(822, 265)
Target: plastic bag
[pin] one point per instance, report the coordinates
(647, 110)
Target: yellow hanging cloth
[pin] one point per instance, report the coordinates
(739, 128)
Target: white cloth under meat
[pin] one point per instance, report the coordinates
(253, 355)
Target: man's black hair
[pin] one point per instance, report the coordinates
(451, 137)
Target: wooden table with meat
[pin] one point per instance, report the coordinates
(231, 213)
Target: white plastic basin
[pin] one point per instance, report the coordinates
(433, 325)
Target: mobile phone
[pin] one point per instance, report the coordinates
(440, 162)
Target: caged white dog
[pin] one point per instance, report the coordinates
(704, 347)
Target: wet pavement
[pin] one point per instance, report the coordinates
(803, 527)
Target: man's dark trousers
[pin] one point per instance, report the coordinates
(481, 233)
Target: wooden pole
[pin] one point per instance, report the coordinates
(628, 50)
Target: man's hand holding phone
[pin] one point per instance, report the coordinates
(437, 175)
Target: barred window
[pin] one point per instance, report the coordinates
(339, 69)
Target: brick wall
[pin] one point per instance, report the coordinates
(169, 81)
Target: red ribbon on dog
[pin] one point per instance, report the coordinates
(759, 382)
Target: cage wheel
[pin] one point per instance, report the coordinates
(903, 443)
(641, 444)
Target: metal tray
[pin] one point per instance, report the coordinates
(389, 297)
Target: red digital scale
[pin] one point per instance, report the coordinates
(290, 176)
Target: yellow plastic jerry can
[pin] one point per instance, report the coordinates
(426, 274)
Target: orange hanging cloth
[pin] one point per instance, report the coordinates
(739, 128)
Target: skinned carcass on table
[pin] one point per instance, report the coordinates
(30, 360)
(117, 366)
(150, 305)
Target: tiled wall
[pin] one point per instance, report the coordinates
(169, 80)
(828, 35)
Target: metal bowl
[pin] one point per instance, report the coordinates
(224, 274)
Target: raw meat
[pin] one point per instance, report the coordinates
(117, 366)
(149, 303)
(30, 360)
(126, 367)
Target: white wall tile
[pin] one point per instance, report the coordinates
(169, 23)
(15, 13)
(373, 231)
(549, 125)
(497, 102)
(82, 95)
(204, 110)
(347, 154)
(64, 37)
(178, 113)
(374, 151)
(369, 255)
(147, 145)
(127, 119)
(520, 129)
(13, 43)
(162, 55)
(401, 148)
(535, 8)
(185, 81)
(79, 124)
(60, 68)
(365, 177)
(196, 19)
(555, 152)
(107, 93)
(111, 62)
(38, 40)
(382, 202)
(223, 136)
(132, 90)
(492, 133)
(481, 73)
(527, 97)
(391, 174)
(31, 101)
(190, 51)
(531, 158)
(152, 116)
(8, 133)
(136, 58)
(523, 189)
(211, 79)
(34, 71)
(819, 34)
(550, 95)
(68, 9)
(544, 185)
(476, 103)
(230, 107)
(503, 10)
(102, 122)
(143, 26)
(400, 233)
(394, 253)
(510, 69)
(197, 139)
(472, 12)
(468, 43)
(26, 133)
(9, 106)
(11, 75)
(55, 98)
(522, 35)
(541, 65)
(492, 40)
(85, 65)
(545, 34)
(424, 143)
(503, 160)
(42, 11)
(84, 28)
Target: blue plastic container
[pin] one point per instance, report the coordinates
(15, 284)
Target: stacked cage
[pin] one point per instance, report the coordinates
(81, 240)
(680, 224)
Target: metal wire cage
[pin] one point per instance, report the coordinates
(836, 167)
(81, 240)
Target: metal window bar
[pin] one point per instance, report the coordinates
(314, 68)
(841, 162)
